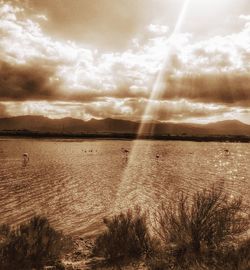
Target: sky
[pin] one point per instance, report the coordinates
(101, 59)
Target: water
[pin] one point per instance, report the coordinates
(76, 183)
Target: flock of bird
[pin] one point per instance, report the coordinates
(124, 150)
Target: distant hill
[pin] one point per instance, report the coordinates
(41, 124)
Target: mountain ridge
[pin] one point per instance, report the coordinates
(68, 125)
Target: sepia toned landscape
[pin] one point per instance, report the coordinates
(124, 134)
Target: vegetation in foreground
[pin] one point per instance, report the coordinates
(126, 238)
(32, 245)
(208, 230)
(205, 231)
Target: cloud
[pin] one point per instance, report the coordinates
(245, 17)
(158, 29)
(180, 110)
(25, 82)
(216, 87)
(210, 71)
(201, 78)
(128, 109)
(3, 111)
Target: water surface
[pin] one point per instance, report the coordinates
(78, 182)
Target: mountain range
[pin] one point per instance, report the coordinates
(41, 124)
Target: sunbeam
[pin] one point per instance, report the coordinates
(160, 86)
(130, 185)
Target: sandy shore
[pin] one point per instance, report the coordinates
(81, 258)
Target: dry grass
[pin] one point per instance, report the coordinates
(31, 245)
(125, 239)
(205, 231)
(201, 231)
(208, 231)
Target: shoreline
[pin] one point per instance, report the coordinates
(124, 136)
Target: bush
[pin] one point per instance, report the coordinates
(236, 258)
(4, 234)
(32, 245)
(126, 238)
(201, 229)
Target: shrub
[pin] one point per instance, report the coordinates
(160, 261)
(4, 234)
(32, 245)
(236, 258)
(201, 228)
(126, 238)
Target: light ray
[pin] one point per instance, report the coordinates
(159, 85)
(132, 182)
(181, 17)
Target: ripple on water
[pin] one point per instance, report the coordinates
(76, 183)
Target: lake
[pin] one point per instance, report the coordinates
(76, 183)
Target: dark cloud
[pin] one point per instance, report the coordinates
(37, 82)
(222, 88)
(26, 82)
(3, 112)
(93, 95)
